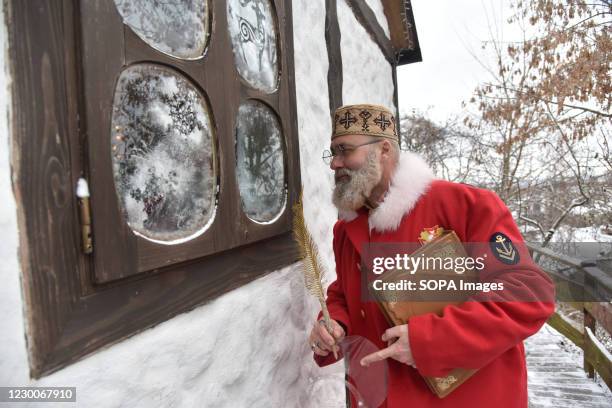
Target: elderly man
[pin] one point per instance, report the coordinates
(386, 196)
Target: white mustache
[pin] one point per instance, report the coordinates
(342, 173)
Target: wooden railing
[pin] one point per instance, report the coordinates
(596, 285)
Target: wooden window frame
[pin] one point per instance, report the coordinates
(69, 315)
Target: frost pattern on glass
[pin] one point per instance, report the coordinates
(252, 28)
(260, 167)
(162, 153)
(175, 27)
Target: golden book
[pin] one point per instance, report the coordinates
(398, 309)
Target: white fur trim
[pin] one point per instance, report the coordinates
(410, 181)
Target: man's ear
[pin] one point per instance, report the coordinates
(386, 149)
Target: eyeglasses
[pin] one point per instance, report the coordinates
(343, 150)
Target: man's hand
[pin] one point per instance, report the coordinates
(399, 350)
(321, 341)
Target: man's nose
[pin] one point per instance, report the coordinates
(336, 162)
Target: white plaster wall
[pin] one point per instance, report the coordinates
(314, 124)
(367, 76)
(13, 356)
(377, 8)
(245, 349)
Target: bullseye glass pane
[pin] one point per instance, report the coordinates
(260, 162)
(252, 28)
(175, 27)
(163, 154)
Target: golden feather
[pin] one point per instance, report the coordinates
(311, 260)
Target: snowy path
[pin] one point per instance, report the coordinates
(555, 374)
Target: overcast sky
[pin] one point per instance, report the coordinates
(448, 74)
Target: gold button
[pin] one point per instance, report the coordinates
(362, 313)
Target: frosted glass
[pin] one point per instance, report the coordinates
(252, 28)
(260, 166)
(162, 154)
(175, 27)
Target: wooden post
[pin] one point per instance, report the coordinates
(589, 321)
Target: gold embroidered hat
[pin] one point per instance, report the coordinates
(364, 119)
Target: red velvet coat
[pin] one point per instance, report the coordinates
(485, 335)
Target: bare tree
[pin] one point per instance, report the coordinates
(448, 148)
(545, 114)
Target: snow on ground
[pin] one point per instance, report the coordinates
(585, 234)
(555, 375)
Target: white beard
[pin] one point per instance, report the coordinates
(350, 195)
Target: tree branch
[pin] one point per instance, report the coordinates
(533, 222)
(604, 114)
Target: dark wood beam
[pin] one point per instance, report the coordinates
(367, 18)
(396, 102)
(334, 55)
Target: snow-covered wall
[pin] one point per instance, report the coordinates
(314, 123)
(367, 76)
(248, 347)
